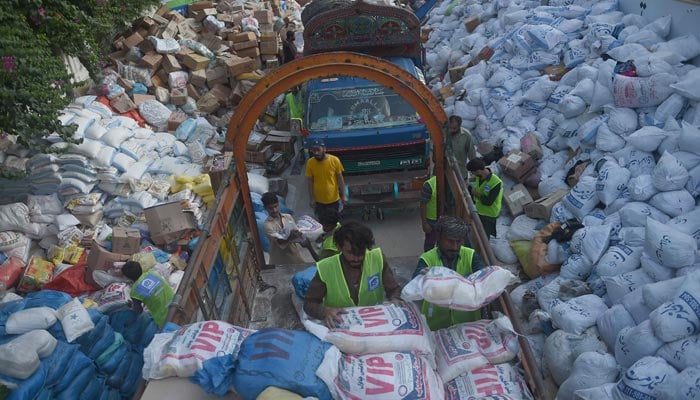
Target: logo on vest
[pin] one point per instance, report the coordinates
(147, 286)
(373, 282)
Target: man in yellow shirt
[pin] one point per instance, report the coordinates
(324, 175)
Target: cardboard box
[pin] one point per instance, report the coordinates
(517, 165)
(162, 95)
(270, 60)
(178, 96)
(238, 46)
(530, 144)
(170, 64)
(208, 103)
(168, 222)
(217, 75)
(221, 92)
(253, 52)
(195, 61)
(471, 23)
(242, 37)
(126, 240)
(279, 186)
(237, 66)
(140, 98)
(281, 141)
(133, 41)
(151, 61)
(456, 73)
(555, 72)
(198, 78)
(216, 167)
(99, 259)
(122, 103)
(255, 140)
(276, 163)
(176, 118)
(269, 47)
(445, 92)
(516, 198)
(542, 207)
(201, 5)
(259, 156)
(193, 92)
(264, 16)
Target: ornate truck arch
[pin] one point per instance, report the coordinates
(322, 66)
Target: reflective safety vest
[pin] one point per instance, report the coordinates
(443, 317)
(431, 206)
(483, 188)
(296, 108)
(371, 291)
(329, 243)
(155, 292)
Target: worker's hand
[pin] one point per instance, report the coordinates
(332, 316)
(427, 228)
(312, 204)
(397, 301)
(306, 243)
(423, 271)
(295, 235)
(344, 199)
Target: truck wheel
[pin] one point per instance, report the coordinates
(319, 6)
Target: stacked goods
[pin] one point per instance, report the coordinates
(609, 98)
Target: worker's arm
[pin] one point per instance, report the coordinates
(420, 267)
(392, 290)
(492, 196)
(313, 300)
(310, 186)
(341, 187)
(425, 196)
(310, 247)
(477, 263)
(470, 150)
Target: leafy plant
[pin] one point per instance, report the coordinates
(35, 35)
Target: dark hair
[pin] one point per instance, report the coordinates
(572, 171)
(132, 270)
(269, 199)
(359, 236)
(456, 118)
(290, 35)
(452, 227)
(328, 216)
(476, 165)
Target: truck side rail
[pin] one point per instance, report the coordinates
(466, 209)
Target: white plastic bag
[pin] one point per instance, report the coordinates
(669, 174)
(643, 379)
(620, 285)
(578, 314)
(634, 343)
(641, 188)
(591, 242)
(611, 322)
(590, 369)
(30, 319)
(561, 350)
(688, 223)
(75, 319)
(673, 203)
(20, 357)
(680, 317)
(619, 259)
(642, 92)
(582, 199)
(671, 248)
(683, 353)
(611, 182)
(486, 381)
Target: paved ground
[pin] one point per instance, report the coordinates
(399, 236)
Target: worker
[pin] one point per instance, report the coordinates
(451, 253)
(149, 288)
(460, 143)
(296, 106)
(358, 276)
(429, 212)
(289, 48)
(285, 247)
(487, 190)
(324, 174)
(330, 221)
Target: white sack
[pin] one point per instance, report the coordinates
(548, 295)
(611, 182)
(502, 379)
(258, 183)
(75, 319)
(638, 162)
(674, 203)
(561, 350)
(682, 353)
(447, 288)
(635, 305)
(611, 322)
(578, 314)
(582, 199)
(687, 47)
(602, 392)
(622, 121)
(684, 386)
(591, 242)
(689, 139)
(619, 259)
(590, 369)
(688, 223)
(669, 174)
(656, 271)
(634, 343)
(577, 267)
(632, 236)
(648, 138)
(687, 86)
(671, 248)
(635, 213)
(619, 286)
(641, 188)
(20, 357)
(30, 319)
(657, 293)
(502, 250)
(522, 228)
(680, 317)
(607, 140)
(642, 92)
(643, 378)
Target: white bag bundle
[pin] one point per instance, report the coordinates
(632, 236)
(522, 228)
(377, 329)
(636, 342)
(561, 350)
(548, 295)
(658, 293)
(689, 139)
(309, 227)
(641, 188)
(502, 250)
(619, 286)
(591, 242)
(669, 174)
(671, 248)
(611, 322)
(447, 288)
(258, 183)
(155, 112)
(680, 317)
(591, 369)
(531, 285)
(501, 380)
(75, 319)
(183, 352)
(611, 182)
(656, 271)
(682, 353)
(622, 121)
(643, 379)
(687, 47)
(635, 213)
(113, 297)
(618, 259)
(647, 138)
(578, 314)
(684, 386)
(688, 223)
(607, 140)
(635, 305)
(642, 92)
(638, 162)
(30, 319)
(467, 346)
(20, 357)
(383, 376)
(602, 392)
(674, 203)
(582, 199)
(576, 266)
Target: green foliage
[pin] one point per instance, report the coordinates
(34, 36)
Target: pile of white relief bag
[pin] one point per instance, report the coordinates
(618, 315)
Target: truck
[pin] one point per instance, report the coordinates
(380, 139)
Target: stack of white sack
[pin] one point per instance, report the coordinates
(637, 124)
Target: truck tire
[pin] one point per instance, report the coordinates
(319, 6)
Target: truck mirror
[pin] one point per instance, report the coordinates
(296, 126)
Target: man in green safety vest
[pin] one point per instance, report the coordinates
(330, 220)
(296, 106)
(451, 253)
(487, 191)
(151, 289)
(428, 212)
(358, 276)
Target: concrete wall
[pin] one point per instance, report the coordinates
(685, 15)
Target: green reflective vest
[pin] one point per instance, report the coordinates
(483, 188)
(155, 292)
(328, 244)
(371, 290)
(443, 317)
(431, 205)
(296, 108)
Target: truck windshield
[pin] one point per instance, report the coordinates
(345, 109)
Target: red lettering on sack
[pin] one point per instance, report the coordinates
(486, 381)
(212, 327)
(378, 362)
(378, 366)
(478, 336)
(201, 344)
(369, 317)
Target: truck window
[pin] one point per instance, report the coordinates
(345, 109)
